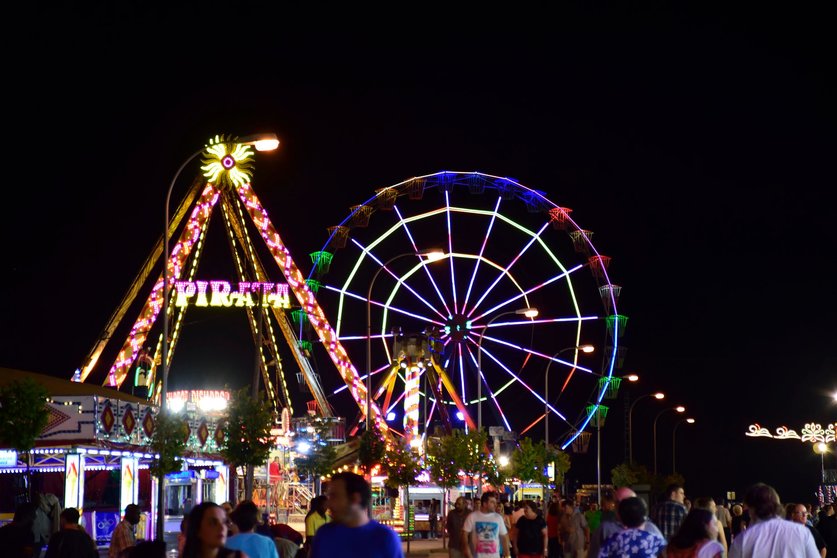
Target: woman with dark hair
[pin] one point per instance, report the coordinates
(696, 537)
(633, 541)
(206, 533)
(315, 518)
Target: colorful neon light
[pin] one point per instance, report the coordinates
(220, 294)
(227, 164)
(411, 403)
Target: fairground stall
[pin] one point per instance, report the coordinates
(94, 455)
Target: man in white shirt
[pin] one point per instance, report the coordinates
(485, 530)
(768, 535)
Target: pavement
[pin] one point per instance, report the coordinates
(426, 548)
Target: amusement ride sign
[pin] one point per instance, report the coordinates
(221, 293)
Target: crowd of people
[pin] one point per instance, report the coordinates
(339, 523)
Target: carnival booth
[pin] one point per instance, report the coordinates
(94, 455)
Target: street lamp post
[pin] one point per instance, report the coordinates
(529, 313)
(679, 409)
(582, 348)
(657, 395)
(821, 448)
(262, 142)
(673, 439)
(432, 255)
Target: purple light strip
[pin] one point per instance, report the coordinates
(462, 376)
(531, 322)
(382, 305)
(415, 248)
(450, 251)
(524, 384)
(530, 351)
(490, 392)
(502, 273)
(428, 417)
(482, 249)
(397, 278)
(524, 293)
(363, 337)
(362, 378)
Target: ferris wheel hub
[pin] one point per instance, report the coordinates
(457, 327)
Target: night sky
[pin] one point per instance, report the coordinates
(699, 147)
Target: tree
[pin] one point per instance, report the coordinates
(247, 438)
(23, 416)
(401, 465)
(474, 458)
(529, 461)
(168, 442)
(372, 449)
(629, 474)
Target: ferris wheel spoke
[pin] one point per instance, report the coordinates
(400, 280)
(406, 228)
(482, 250)
(563, 275)
(535, 353)
(524, 384)
(362, 379)
(511, 264)
(491, 394)
(462, 376)
(382, 305)
(450, 251)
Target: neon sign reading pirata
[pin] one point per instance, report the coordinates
(221, 293)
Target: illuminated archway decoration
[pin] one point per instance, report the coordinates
(227, 165)
(812, 432)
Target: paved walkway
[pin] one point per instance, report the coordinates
(424, 548)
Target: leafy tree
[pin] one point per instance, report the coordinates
(401, 465)
(23, 416)
(529, 461)
(372, 449)
(318, 462)
(474, 459)
(627, 474)
(169, 442)
(247, 439)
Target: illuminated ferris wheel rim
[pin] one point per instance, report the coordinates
(447, 180)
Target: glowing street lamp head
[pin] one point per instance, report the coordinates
(680, 409)
(433, 255)
(262, 142)
(587, 348)
(528, 312)
(659, 395)
(821, 447)
(690, 420)
(503, 461)
(632, 378)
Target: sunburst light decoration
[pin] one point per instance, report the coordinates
(228, 163)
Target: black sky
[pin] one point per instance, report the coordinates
(697, 144)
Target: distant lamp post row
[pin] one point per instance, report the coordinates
(583, 349)
(657, 395)
(680, 409)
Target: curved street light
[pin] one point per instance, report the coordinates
(657, 395)
(673, 432)
(529, 313)
(679, 409)
(432, 255)
(821, 448)
(583, 349)
(261, 142)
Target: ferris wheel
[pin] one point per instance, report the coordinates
(467, 295)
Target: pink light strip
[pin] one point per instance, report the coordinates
(503, 273)
(378, 371)
(462, 376)
(488, 387)
(450, 251)
(533, 289)
(482, 250)
(415, 248)
(524, 384)
(316, 316)
(536, 353)
(154, 304)
(397, 278)
(382, 305)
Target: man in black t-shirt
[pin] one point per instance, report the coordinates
(72, 541)
(529, 533)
